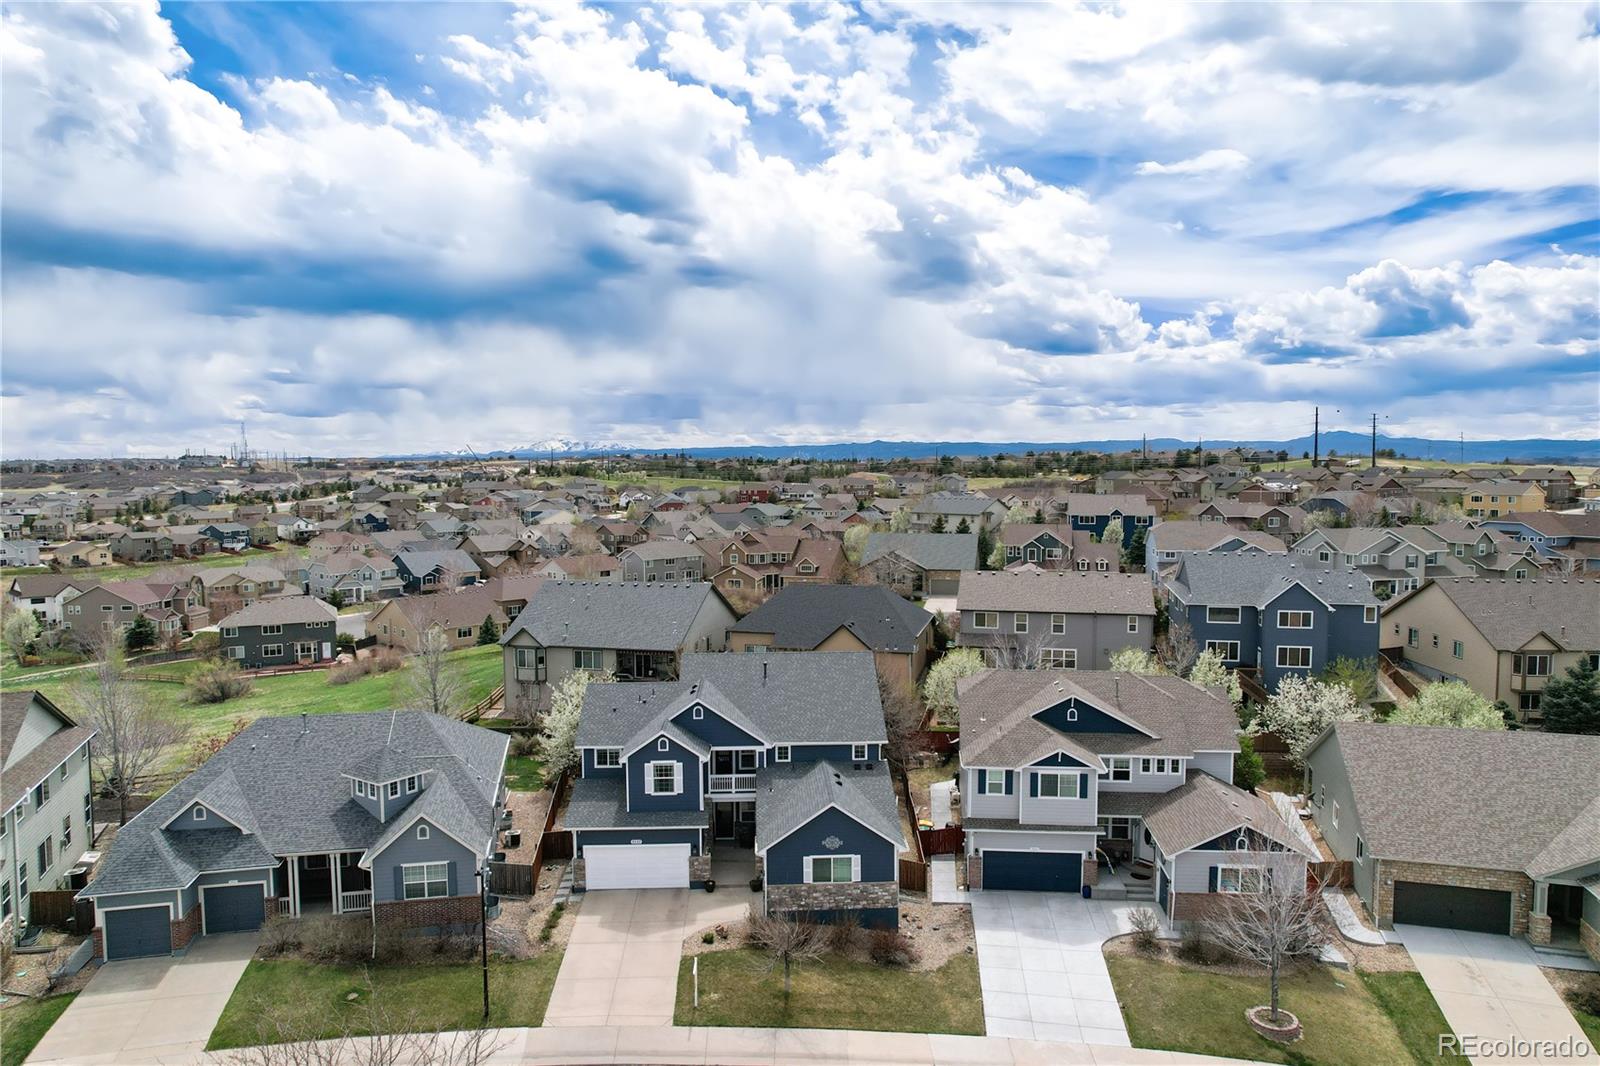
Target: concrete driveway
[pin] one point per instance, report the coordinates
(621, 965)
(1041, 969)
(1490, 987)
(148, 1011)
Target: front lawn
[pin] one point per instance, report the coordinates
(741, 987)
(1416, 1015)
(524, 773)
(24, 1024)
(1175, 1008)
(309, 1000)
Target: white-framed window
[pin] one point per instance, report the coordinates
(425, 880)
(858, 753)
(662, 778)
(1058, 658)
(411, 784)
(1160, 765)
(1240, 879)
(1101, 565)
(588, 659)
(394, 790)
(1413, 637)
(230, 631)
(994, 783)
(198, 814)
(1083, 565)
(1369, 615)
(1225, 616)
(1115, 827)
(1458, 649)
(662, 745)
(1228, 649)
(833, 869)
(272, 631)
(1019, 622)
(1333, 812)
(1058, 624)
(1361, 849)
(1324, 556)
(271, 651)
(608, 758)
(1294, 656)
(985, 619)
(1531, 665)
(1055, 784)
(1119, 768)
(1294, 619)
(780, 753)
(423, 832)
(1133, 623)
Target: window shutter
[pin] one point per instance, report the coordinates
(805, 873)
(1011, 783)
(1033, 785)
(399, 883)
(855, 868)
(983, 782)
(1211, 879)
(1083, 786)
(450, 878)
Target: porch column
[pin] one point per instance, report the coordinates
(333, 864)
(294, 885)
(1539, 914)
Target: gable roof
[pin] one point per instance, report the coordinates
(1188, 535)
(788, 797)
(1420, 794)
(1060, 591)
(449, 610)
(1232, 579)
(645, 616)
(1511, 613)
(930, 551)
(30, 766)
(1204, 808)
(281, 610)
(998, 727)
(800, 616)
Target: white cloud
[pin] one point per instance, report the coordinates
(1216, 161)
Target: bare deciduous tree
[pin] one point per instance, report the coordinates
(788, 942)
(902, 721)
(1177, 649)
(131, 735)
(432, 683)
(1274, 925)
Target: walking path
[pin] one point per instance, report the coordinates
(1348, 921)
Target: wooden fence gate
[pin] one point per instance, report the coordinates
(511, 878)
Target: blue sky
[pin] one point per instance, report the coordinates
(386, 227)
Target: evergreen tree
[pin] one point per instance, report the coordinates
(938, 524)
(488, 633)
(1133, 554)
(1248, 769)
(141, 635)
(1571, 704)
(989, 550)
(963, 527)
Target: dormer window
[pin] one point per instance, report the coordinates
(411, 784)
(858, 753)
(394, 789)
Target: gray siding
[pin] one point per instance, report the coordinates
(1325, 769)
(1095, 637)
(642, 836)
(408, 849)
(27, 831)
(1219, 764)
(245, 648)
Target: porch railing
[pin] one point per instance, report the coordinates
(355, 901)
(733, 782)
(283, 905)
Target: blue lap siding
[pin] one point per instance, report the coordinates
(689, 777)
(785, 860)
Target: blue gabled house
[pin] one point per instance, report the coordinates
(1087, 512)
(1281, 614)
(748, 766)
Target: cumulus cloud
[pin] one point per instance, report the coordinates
(708, 225)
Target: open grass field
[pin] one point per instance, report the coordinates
(134, 571)
(741, 987)
(1177, 1008)
(284, 694)
(310, 1000)
(24, 1023)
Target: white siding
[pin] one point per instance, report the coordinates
(1218, 764)
(979, 806)
(1053, 811)
(979, 839)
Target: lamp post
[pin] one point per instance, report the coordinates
(483, 931)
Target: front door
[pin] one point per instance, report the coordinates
(724, 815)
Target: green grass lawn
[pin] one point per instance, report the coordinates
(740, 987)
(1405, 998)
(524, 773)
(1589, 1023)
(309, 999)
(133, 571)
(1174, 1008)
(23, 1025)
(481, 669)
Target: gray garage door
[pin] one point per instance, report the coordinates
(1033, 871)
(233, 909)
(1479, 910)
(132, 934)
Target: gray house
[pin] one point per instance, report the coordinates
(387, 814)
(46, 810)
(632, 630)
(662, 560)
(432, 571)
(1062, 620)
(279, 632)
(1405, 806)
(1120, 782)
(752, 765)
(920, 564)
(1281, 614)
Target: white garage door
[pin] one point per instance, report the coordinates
(636, 865)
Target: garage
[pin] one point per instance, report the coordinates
(636, 866)
(232, 908)
(136, 932)
(1478, 910)
(1033, 871)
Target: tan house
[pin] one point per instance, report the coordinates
(400, 623)
(1505, 639)
(763, 561)
(82, 553)
(804, 617)
(1491, 499)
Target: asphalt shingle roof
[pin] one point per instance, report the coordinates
(601, 803)
(1061, 591)
(1232, 579)
(930, 551)
(1466, 797)
(787, 797)
(1511, 613)
(288, 780)
(646, 616)
(281, 610)
(30, 767)
(801, 616)
(1204, 536)
(1204, 808)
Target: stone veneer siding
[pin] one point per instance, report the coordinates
(1538, 928)
(578, 884)
(1390, 871)
(854, 896)
(427, 913)
(1091, 870)
(974, 871)
(699, 869)
(1589, 937)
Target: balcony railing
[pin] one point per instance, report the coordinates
(733, 782)
(355, 901)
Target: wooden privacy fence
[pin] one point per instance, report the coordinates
(946, 841)
(913, 875)
(1328, 874)
(60, 911)
(1397, 677)
(511, 878)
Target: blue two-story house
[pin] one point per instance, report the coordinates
(1087, 512)
(1121, 783)
(763, 765)
(1572, 541)
(1280, 614)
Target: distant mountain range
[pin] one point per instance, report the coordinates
(1530, 450)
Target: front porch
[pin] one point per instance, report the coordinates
(330, 883)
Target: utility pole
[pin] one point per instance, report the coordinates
(1316, 435)
(1374, 440)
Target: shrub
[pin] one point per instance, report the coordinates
(1198, 946)
(845, 935)
(386, 660)
(217, 682)
(330, 938)
(1586, 997)
(890, 947)
(1146, 925)
(343, 675)
(524, 744)
(280, 935)
(708, 937)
